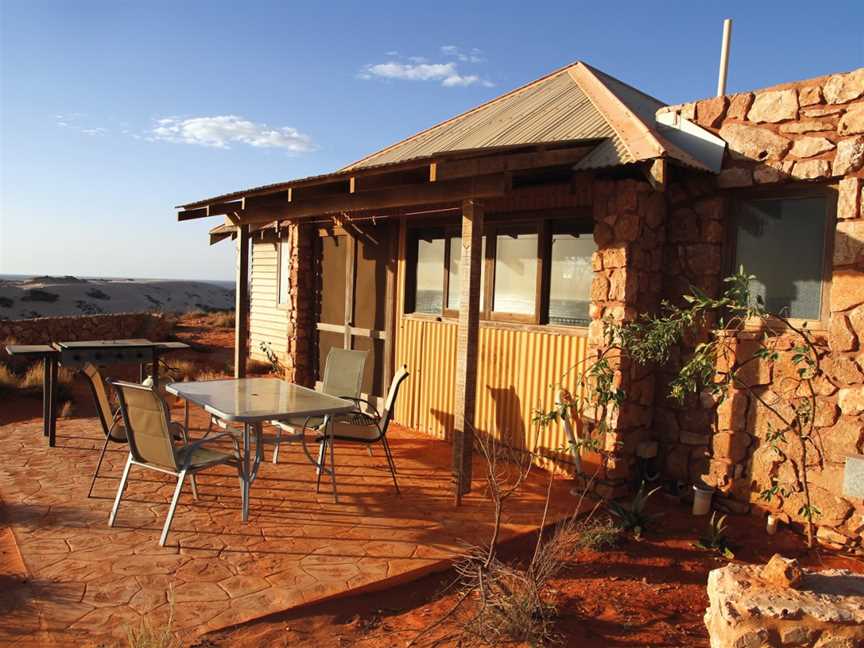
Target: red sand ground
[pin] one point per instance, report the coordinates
(641, 593)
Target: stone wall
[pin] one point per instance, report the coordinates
(298, 361)
(629, 220)
(807, 132)
(152, 326)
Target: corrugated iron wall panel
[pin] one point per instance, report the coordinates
(518, 372)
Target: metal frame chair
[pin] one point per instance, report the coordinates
(151, 445)
(110, 420)
(343, 377)
(366, 427)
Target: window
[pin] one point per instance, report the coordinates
(570, 279)
(781, 241)
(284, 280)
(535, 273)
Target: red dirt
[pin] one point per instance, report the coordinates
(641, 593)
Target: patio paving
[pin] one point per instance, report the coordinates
(73, 580)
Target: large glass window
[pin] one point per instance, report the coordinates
(429, 295)
(781, 241)
(552, 257)
(570, 279)
(515, 289)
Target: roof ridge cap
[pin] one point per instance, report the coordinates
(636, 136)
(461, 115)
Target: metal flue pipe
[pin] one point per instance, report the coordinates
(724, 57)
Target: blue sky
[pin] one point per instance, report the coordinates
(112, 113)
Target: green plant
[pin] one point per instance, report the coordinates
(632, 516)
(147, 635)
(275, 364)
(715, 537)
(597, 534)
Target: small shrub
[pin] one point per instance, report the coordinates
(95, 293)
(5, 302)
(632, 516)
(147, 635)
(597, 534)
(222, 319)
(8, 380)
(36, 295)
(715, 537)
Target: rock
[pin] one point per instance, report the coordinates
(849, 244)
(842, 88)
(695, 438)
(710, 112)
(753, 142)
(781, 572)
(849, 199)
(738, 177)
(823, 111)
(843, 370)
(850, 156)
(809, 96)
(846, 289)
(744, 610)
(807, 126)
(810, 146)
(774, 106)
(766, 173)
(811, 169)
(841, 337)
(831, 537)
(851, 400)
(856, 321)
(852, 122)
(739, 105)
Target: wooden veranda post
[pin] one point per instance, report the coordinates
(467, 336)
(241, 303)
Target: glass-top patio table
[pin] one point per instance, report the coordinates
(251, 401)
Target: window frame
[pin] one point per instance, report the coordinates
(826, 192)
(544, 225)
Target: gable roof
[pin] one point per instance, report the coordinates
(576, 103)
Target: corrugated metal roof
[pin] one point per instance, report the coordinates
(552, 109)
(575, 103)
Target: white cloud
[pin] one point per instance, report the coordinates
(473, 55)
(419, 69)
(94, 131)
(221, 130)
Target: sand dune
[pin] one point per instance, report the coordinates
(56, 296)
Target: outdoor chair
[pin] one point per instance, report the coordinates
(363, 426)
(343, 375)
(151, 433)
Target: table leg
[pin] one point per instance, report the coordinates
(141, 373)
(53, 405)
(332, 458)
(46, 395)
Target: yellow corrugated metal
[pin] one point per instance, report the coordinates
(519, 371)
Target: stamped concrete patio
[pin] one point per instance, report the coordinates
(72, 580)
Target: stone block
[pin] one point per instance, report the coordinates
(811, 169)
(808, 126)
(774, 106)
(849, 244)
(846, 291)
(732, 446)
(842, 88)
(768, 173)
(753, 142)
(739, 104)
(805, 147)
(710, 112)
(849, 199)
(841, 336)
(746, 611)
(850, 156)
(851, 400)
(852, 122)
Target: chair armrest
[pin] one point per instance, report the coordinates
(373, 414)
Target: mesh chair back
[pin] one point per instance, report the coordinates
(146, 417)
(103, 403)
(343, 372)
(390, 402)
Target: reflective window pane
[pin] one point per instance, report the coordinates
(455, 263)
(781, 242)
(515, 273)
(429, 296)
(571, 277)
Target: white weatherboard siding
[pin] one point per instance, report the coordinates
(267, 321)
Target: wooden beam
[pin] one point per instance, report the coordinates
(191, 214)
(220, 209)
(467, 337)
(350, 273)
(390, 304)
(425, 194)
(352, 187)
(433, 172)
(492, 164)
(241, 304)
(655, 171)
